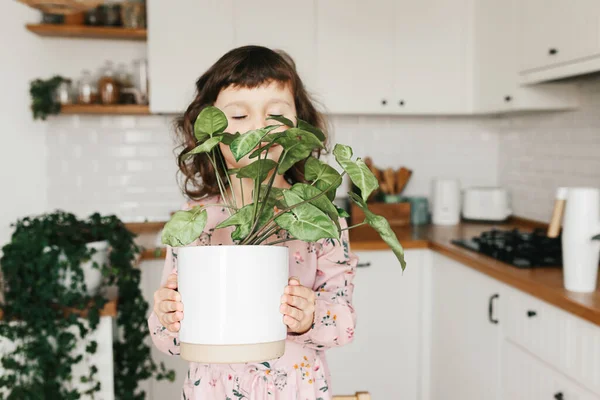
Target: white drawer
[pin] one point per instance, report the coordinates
(525, 377)
(568, 343)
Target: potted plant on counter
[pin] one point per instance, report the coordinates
(56, 262)
(221, 293)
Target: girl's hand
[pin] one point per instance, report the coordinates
(298, 307)
(168, 306)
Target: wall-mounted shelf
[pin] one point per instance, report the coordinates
(87, 32)
(99, 109)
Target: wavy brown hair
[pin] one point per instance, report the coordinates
(245, 67)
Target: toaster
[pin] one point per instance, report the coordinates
(486, 204)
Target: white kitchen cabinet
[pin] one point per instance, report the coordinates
(430, 57)
(558, 38)
(466, 332)
(385, 356)
(287, 25)
(355, 70)
(185, 38)
(526, 378)
(496, 82)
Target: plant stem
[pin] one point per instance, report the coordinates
(271, 231)
(354, 226)
(220, 155)
(279, 241)
(211, 157)
(242, 189)
(302, 202)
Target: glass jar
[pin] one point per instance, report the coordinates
(108, 87)
(86, 89)
(62, 94)
(133, 14)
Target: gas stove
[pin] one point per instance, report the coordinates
(518, 248)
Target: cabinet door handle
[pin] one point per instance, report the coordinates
(507, 98)
(401, 103)
(383, 102)
(491, 308)
(553, 52)
(531, 313)
(559, 396)
(363, 265)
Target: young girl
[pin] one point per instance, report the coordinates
(249, 84)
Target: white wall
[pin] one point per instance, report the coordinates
(540, 152)
(22, 141)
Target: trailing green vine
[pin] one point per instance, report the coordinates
(43, 102)
(41, 365)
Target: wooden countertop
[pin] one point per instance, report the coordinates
(544, 283)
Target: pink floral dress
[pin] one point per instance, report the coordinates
(328, 267)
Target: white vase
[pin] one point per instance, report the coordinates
(91, 276)
(231, 297)
(580, 253)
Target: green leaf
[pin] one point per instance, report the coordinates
(211, 120)
(282, 119)
(258, 170)
(322, 203)
(270, 139)
(266, 364)
(358, 171)
(197, 383)
(292, 156)
(342, 213)
(293, 136)
(382, 226)
(204, 147)
(242, 219)
(306, 222)
(312, 129)
(322, 175)
(275, 197)
(248, 141)
(597, 237)
(228, 138)
(184, 227)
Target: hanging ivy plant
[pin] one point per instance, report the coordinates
(41, 366)
(43, 101)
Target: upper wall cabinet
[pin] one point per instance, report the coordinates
(354, 56)
(185, 38)
(558, 38)
(496, 81)
(393, 57)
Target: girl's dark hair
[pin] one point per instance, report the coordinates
(245, 67)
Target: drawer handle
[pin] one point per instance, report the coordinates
(553, 52)
(559, 396)
(491, 308)
(531, 313)
(363, 265)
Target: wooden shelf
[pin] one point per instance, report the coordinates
(119, 109)
(109, 310)
(88, 32)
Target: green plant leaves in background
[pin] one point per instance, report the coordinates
(382, 226)
(228, 138)
(322, 175)
(242, 219)
(282, 119)
(306, 222)
(322, 203)
(205, 147)
(342, 213)
(258, 170)
(358, 171)
(312, 129)
(211, 120)
(184, 227)
(248, 141)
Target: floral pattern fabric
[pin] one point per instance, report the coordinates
(328, 267)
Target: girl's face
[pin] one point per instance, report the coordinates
(248, 109)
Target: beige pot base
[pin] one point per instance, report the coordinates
(231, 354)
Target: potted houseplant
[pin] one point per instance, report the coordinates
(222, 294)
(55, 267)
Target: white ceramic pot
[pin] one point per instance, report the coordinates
(91, 276)
(231, 297)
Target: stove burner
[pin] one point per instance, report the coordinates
(521, 249)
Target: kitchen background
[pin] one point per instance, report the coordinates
(124, 164)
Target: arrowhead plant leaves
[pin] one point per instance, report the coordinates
(305, 211)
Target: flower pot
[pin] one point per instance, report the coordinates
(231, 297)
(91, 276)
